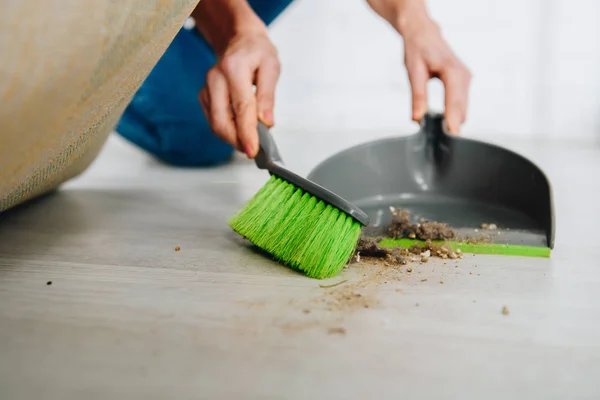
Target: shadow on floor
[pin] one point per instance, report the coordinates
(38, 224)
(129, 228)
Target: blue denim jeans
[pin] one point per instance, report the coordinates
(165, 117)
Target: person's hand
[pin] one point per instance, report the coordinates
(427, 55)
(228, 98)
(246, 60)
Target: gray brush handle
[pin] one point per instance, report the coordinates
(267, 153)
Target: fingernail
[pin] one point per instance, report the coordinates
(453, 128)
(418, 115)
(249, 150)
(267, 117)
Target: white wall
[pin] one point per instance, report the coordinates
(536, 67)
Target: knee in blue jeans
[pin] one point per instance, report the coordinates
(165, 117)
(184, 143)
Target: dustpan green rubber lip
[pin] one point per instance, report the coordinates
(474, 248)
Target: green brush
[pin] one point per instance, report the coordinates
(300, 223)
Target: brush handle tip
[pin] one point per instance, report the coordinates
(268, 152)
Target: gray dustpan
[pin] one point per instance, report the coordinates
(435, 176)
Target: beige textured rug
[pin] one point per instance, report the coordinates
(68, 69)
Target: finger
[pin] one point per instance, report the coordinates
(418, 75)
(456, 79)
(266, 81)
(205, 102)
(221, 116)
(243, 100)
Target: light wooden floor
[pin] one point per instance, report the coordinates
(128, 317)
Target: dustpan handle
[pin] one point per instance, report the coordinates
(434, 125)
(268, 152)
(437, 141)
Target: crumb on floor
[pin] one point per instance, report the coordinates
(337, 331)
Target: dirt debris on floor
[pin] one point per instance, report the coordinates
(350, 296)
(383, 264)
(372, 268)
(337, 331)
(386, 264)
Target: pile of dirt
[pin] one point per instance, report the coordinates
(368, 247)
(402, 227)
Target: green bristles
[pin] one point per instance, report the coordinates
(298, 229)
